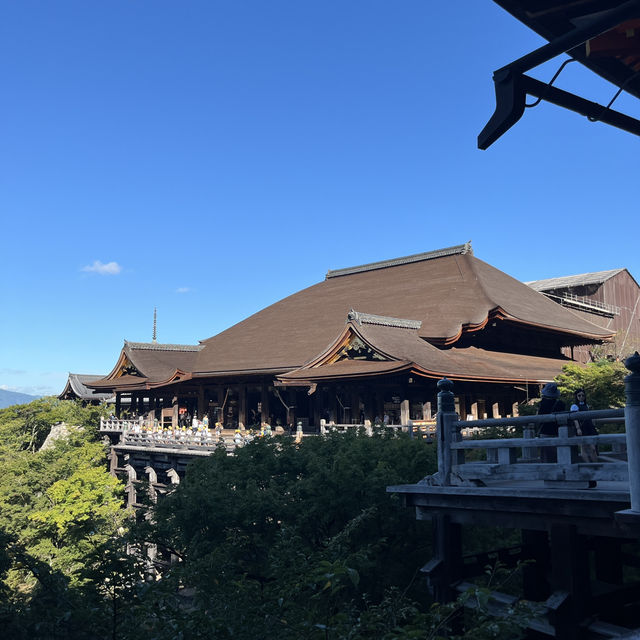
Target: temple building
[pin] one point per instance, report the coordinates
(76, 389)
(367, 343)
(610, 299)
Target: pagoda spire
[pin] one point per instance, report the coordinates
(155, 314)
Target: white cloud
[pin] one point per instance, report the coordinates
(183, 290)
(103, 269)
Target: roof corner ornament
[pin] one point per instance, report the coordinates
(353, 316)
(155, 317)
(467, 248)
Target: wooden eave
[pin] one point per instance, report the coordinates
(500, 314)
(178, 376)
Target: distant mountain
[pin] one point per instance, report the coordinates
(7, 398)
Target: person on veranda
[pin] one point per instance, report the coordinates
(588, 452)
(550, 403)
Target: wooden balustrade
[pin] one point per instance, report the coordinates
(517, 459)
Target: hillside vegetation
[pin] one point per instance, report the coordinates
(279, 540)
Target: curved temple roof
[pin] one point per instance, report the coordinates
(399, 347)
(76, 387)
(406, 309)
(145, 364)
(447, 294)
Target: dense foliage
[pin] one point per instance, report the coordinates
(602, 380)
(292, 539)
(57, 505)
(278, 540)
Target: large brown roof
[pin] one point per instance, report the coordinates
(448, 293)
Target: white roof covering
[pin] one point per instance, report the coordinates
(596, 277)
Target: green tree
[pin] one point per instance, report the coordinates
(603, 382)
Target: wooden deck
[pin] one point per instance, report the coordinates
(578, 542)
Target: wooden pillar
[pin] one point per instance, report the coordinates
(201, 407)
(264, 402)
(534, 575)
(404, 412)
(570, 575)
(447, 551)
(174, 418)
(369, 406)
(426, 411)
(379, 403)
(316, 408)
(242, 406)
(608, 560)
(333, 404)
(118, 404)
(292, 412)
(474, 410)
(495, 410)
(354, 414)
(482, 409)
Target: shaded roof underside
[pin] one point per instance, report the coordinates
(553, 18)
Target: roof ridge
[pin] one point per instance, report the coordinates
(612, 272)
(157, 346)
(386, 321)
(394, 262)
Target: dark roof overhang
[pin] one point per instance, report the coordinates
(570, 27)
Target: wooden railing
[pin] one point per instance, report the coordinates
(517, 459)
(415, 428)
(118, 425)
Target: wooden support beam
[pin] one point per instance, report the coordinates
(569, 575)
(534, 575)
(447, 554)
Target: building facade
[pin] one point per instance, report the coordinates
(366, 344)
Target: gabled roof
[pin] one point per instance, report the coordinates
(398, 347)
(76, 387)
(596, 277)
(145, 364)
(448, 295)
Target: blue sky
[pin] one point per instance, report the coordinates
(209, 158)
